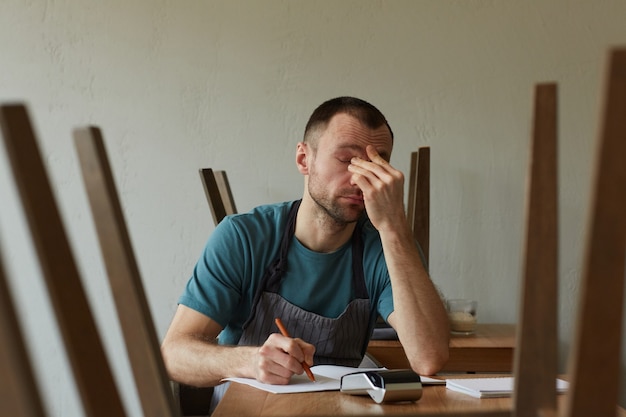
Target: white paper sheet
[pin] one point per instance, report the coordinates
(327, 378)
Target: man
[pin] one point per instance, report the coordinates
(327, 265)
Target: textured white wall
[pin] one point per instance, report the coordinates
(229, 84)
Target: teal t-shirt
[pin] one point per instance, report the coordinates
(242, 246)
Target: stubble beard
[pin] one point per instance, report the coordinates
(340, 215)
(330, 205)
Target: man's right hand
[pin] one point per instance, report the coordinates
(193, 357)
(281, 357)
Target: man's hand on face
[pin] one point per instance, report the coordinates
(383, 189)
(281, 357)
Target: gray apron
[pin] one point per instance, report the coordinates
(338, 341)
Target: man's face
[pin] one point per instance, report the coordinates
(330, 183)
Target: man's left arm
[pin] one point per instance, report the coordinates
(419, 316)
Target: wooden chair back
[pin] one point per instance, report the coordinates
(218, 193)
(133, 311)
(19, 395)
(84, 348)
(418, 207)
(595, 360)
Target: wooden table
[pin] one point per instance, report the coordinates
(490, 349)
(245, 401)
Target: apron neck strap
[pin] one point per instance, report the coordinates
(273, 277)
(274, 273)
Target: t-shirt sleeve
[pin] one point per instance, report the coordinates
(385, 301)
(214, 288)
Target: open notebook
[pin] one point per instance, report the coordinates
(327, 378)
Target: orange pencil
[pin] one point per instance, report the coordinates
(285, 333)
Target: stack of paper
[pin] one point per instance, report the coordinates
(491, 387)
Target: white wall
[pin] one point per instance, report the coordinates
(230, 84)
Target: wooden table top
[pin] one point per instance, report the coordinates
(245, 401)
(489, 342)
(489, 349)
(487, 335)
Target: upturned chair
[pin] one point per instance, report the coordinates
(83, 345)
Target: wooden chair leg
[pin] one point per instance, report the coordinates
(595, 360)
(536, 350)
(223, 186)
(132, 307)
(19, 396)
(213, 195)
(418, 209)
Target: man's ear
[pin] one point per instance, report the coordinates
(303, 155)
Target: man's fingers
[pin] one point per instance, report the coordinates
(374, 156)
(271, 372)
(307, 349)
(280, 357)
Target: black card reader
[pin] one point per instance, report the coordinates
(388, 385)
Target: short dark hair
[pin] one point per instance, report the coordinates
(363, 111)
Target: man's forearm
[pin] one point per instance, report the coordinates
(419, 316)
(194, 361)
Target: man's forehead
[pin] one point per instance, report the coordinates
(347, 132)
(383, 151)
